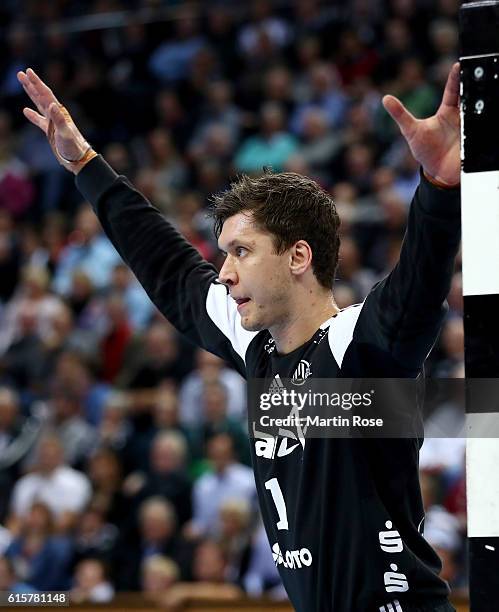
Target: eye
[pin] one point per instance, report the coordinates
(240, 251)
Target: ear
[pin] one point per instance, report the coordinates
(300, 258)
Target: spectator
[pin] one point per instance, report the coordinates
(210, 368)
(216, 421)
(89, 250)
(167, 475)
(139, 306)
(272, 147)
(262, 575)
(90, 583)
(17, 437)
(105, 473)
(171, 61)
(160, 359)
(209, 571)
(33, 297)
(64, 490)
(94, 538)
(41, 557)
(229, 480)
(157, 534)
(76, 435)
(9, 581)
(16, 188)
(116, 339)
(320, 91)
(235, 538)
(158, 575)
(263, 27)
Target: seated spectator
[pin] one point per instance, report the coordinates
(215, 420)
(137, 302)
(32, 296)
(452, 344)
(262, 575)
(9, 581)
(94, 538)
(86, 307)
(320, 90)
(273, 146)
(350, 270)
(164, 418)
(320, 144)
(219, 109)
(263, 24)
(160, 358)
(235, 537)
(40, 557)
(156, 535)
(209, 569)
(89, 250)
(167, 475)
(158, 575)
(172, 59)
(209, 367)
(76, 435)
(17, 437)
(105, 472)
(74, 372)
(64, 490)
(114, 430)
(117, 334)
(229, 480)
(90, 583)
(16, 187)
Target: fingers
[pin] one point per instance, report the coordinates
(36, 119)
(36, 89)
(31, 92)
(404, 119)
(451, 92)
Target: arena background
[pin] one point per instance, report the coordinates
(143, 437)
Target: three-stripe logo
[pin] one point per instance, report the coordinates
(392, 607)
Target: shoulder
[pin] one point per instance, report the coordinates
(68, 476)
(26, 482)
(341, 331)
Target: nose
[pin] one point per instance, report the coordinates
(228, 274)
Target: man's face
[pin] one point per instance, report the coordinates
(259, 280)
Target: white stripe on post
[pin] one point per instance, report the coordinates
(480, 223)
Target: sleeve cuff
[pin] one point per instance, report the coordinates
(438, 201)
(95, 178)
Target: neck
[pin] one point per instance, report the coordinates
(303, 322)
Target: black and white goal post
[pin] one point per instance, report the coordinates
(479, 23)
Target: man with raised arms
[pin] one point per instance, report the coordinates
(344, 517)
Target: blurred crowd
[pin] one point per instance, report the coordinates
(124, 457)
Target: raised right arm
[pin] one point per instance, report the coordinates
(178, 280)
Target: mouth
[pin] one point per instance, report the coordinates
(241, 303)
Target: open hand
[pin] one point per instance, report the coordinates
(68, 144)
(434, 142)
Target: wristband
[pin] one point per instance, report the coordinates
(437, 183)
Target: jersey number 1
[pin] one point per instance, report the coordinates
(273, 486)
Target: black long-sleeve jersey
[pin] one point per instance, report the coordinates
(344, 517)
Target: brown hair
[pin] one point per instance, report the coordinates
(291, 207)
